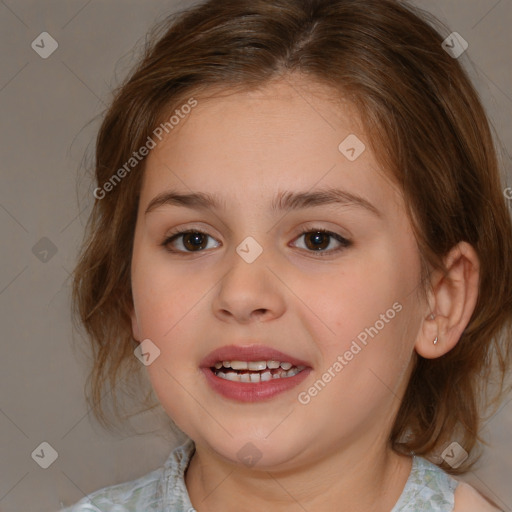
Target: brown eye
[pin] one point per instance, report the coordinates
(190, 241)
(318, 240)
(193, 241)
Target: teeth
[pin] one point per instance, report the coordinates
(239, 365)
(253, 365)
(292, 372)
(255, 376)
(257, 365)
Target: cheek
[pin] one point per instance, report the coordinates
(164, 293)
(367, 327)
(365, 367)
(365, 291)
(169, 310)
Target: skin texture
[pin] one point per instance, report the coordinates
(467, 499)
(332, 453)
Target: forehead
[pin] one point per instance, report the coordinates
(246, 145)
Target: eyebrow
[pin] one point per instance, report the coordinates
(283, 201)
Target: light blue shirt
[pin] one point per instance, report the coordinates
(428, 488)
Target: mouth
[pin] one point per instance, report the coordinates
(255, 371)
(252, 373)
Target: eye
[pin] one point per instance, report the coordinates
(191, 241)
(318, 240)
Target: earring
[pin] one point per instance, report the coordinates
(432, 316)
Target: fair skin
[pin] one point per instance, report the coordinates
(331, 453)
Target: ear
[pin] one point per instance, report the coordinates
(452, 301)
(135, 325)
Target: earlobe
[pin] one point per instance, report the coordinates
(452, 302)
(429, 343)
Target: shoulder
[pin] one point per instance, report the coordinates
(431, 488)
(148, 492)
(136, 494)
(468, 499)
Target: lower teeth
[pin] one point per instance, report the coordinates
(252, 377)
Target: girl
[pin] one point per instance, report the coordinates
(300, 234)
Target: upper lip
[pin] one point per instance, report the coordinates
(249, 353)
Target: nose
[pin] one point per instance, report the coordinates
(249, 292)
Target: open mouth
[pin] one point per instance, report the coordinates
(255, 371)
(251, 373)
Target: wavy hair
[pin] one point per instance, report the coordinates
(423, 120)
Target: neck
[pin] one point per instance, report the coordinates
(355, 478)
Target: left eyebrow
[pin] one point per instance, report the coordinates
(283, 201)
(286, 201)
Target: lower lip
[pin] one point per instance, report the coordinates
(256, 391)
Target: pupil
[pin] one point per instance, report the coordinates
(197, 241)
(319, 237)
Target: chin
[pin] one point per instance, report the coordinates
(257, 453)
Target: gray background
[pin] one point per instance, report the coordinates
(46, 106)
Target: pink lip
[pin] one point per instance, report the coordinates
(245, 391)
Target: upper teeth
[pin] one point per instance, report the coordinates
(253, 365)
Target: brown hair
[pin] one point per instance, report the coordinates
(423, 120)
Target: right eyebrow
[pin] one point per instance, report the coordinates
(198, 200)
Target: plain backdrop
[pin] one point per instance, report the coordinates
(49, 110)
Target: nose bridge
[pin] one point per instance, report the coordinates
(249, 289)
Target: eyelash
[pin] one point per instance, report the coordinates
(308, 230)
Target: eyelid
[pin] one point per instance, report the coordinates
(318, 226)
(344, 242)
(193, 228)
(174, 235)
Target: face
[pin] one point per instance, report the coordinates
(328, 287)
